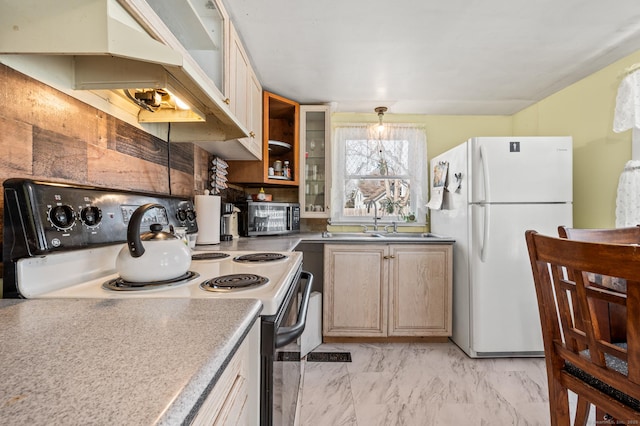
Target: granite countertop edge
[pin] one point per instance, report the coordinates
(182, 409)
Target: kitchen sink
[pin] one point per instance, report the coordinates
(352, 235)
(394, 236)
(411, 235)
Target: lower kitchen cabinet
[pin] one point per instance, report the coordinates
(235, 398)
(387, 290)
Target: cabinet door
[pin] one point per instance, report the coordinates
(238, 77)
(235, 398)
(355, 290)
(315, 161)
(420, 290)
(254, 115)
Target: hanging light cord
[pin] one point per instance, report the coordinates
(169, 156)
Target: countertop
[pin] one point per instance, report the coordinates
(115, 361)
(264, 243)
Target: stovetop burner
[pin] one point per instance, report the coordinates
(260, 257)
(118, 284)
(234, 282)
(209, 256)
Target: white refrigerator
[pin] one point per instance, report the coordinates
(496, 189)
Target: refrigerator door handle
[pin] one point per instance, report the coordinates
(484, 249)
(485, 172)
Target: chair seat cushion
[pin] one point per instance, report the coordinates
(615, 364)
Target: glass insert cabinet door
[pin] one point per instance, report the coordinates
(315, 143)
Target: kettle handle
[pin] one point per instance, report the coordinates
(136, 249)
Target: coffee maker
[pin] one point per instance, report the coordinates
(229, 221)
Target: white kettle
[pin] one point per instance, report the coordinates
(162, 257)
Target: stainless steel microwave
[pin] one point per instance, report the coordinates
(268, 218)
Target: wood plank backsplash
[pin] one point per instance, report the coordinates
(46, 134)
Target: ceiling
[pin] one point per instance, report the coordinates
(431, 57)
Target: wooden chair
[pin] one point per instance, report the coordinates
(578, 356)
(630, 235)
(613, 316)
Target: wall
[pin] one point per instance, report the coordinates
(585, 111)
(443, 131)
(46, 134)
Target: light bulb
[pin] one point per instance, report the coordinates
(180, 104)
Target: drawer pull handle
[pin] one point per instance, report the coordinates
(389, 257)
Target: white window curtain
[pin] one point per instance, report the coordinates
(627, 116)
(414, 168)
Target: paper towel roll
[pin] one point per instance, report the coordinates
(208, 218)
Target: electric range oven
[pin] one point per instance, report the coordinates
(61, 241)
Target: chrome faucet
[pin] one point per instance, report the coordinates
(395, 227)
(375, 213)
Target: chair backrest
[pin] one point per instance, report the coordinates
(629, 235)
(615, 326)
(563, 272)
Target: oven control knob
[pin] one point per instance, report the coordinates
(191, 215)
(91, 216)
(62, 217)
(182, 215)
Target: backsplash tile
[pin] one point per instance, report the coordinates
(58, 156)
(46, 134)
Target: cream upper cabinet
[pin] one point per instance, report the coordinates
(238, 77)
(201, 28)
(245, 94)
(315, 161)
(216, 59)
(254, 119)
(387, 290)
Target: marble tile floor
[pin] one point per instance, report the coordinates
(422, 384)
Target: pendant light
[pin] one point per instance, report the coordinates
(380, 110)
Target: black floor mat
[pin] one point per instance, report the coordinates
(329, 357)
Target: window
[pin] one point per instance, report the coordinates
(384, 173)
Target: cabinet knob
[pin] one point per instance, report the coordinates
(252, 134)
(227, 101)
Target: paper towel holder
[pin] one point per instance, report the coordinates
(208, 217)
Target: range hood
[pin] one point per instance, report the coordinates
(111, 50)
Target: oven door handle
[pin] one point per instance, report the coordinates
(286, 335)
